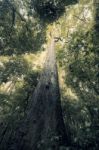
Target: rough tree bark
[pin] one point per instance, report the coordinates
(44, 128)
(96, 5)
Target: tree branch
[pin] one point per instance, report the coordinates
(15, 9)
(79, 18)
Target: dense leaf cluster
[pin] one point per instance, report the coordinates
(18, 38)
(79, 58)
(50, 10)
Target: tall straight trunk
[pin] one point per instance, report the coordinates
(96, 6)
(44, 128)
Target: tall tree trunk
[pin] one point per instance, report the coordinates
(96, 6)
(44, 128)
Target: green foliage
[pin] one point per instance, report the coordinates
(85, 64)
(22, 81)
(78, 58)
(50, 10)
(19, 37)
(82, 115)
(16, 67)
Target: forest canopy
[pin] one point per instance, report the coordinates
(26, 44)
(50, 10)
